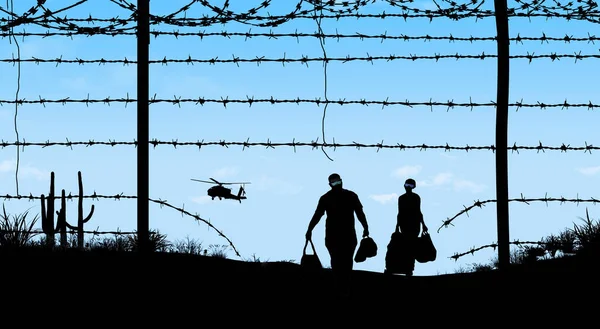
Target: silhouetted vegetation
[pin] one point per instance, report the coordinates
(582, 239)
(17, 231)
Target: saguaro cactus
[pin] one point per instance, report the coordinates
(48, 214)
(80, 219)
(61, 224)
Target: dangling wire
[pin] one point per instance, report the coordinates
(12, 34)
(322, 42)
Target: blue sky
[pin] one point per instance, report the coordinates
(286, 186)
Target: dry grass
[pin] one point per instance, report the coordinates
(17, 232)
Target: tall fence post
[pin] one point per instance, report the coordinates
(143, 85)
(502, 211)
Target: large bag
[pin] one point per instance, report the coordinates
(399, 258)
(425, 251)
(310, 262)
(367, 249)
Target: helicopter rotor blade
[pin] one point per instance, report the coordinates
(203, 181)
(214, 180)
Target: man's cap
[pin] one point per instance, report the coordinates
(334, 179)
(410, 183)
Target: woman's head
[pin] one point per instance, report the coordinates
(410, 184)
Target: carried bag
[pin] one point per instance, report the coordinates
(425, 251)
(367, 249)
(398, 258)
(310, 262)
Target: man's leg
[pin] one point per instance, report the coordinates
(340, 267)
(346, 265)
(335, 260)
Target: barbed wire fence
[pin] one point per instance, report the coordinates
(43, 17)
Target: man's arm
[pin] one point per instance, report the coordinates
(362, 218)
(319, 212)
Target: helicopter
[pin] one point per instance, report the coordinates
(221, 192)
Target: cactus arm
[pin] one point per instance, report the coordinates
(44, 217)
(80, 200)
(59, 219)
(87, 219)
(50, 215)
(71, 227)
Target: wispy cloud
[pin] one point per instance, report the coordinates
(589, 171)
(25, 170)
(6, 166)
(463, 184)
(457, 184)
(438, 180)
(406, 171)
(384, 198)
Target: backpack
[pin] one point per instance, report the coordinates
(367, 249)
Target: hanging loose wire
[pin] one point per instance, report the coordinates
(322, 42)
(11, 39)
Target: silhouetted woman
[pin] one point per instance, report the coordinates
(409, 220)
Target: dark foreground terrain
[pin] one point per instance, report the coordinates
(187, 279)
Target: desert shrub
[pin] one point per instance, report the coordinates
(188, 246)
(16, 231)
(218, 250)
(158, 241)
(587, 234)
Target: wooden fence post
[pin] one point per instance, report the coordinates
(502, 209)
(143, 85)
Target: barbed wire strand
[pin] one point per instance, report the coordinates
(271, 35)
(313, 144)
(275, 20)
(178, 100)
(118, 197)
(545, 199)
(455, 12)
(473, 250)
(302, 60)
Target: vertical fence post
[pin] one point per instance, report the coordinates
(502, 134)
(143, 85)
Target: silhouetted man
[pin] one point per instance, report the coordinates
(410, 218)
(340, 235)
